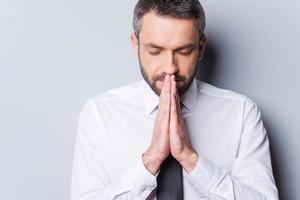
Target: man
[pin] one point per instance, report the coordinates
(170, 136)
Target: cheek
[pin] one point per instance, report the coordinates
(187, 65)
(150, 63)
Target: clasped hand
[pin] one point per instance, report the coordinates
(169, 133)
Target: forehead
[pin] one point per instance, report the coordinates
(167, 31)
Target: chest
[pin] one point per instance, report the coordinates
(214, 135)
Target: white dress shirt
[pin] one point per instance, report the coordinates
(224, 127)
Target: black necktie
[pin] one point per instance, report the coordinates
(169, 180)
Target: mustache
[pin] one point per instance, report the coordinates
(162, 77)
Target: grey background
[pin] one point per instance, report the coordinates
(56, 54)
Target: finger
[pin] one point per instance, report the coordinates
(166, 92)
(165, 104)
(177, 102)
(173, 95)
(162, 94)
(177, 99)
(174, 112)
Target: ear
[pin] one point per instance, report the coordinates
(202, 45)
(135, 45)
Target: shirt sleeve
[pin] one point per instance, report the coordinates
(251, 176)
(90, 175)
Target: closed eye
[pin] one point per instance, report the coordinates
(154, 52)
(186, 51)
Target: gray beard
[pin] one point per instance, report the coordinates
(155, 89)
(153, 86)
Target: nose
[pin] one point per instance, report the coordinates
(170, 65)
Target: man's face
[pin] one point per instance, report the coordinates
(168, 45)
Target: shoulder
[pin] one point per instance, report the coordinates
(121, 93)
(217, 92)
(224, 97)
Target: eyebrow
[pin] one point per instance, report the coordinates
(186, 46)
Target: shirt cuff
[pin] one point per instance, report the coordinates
(140, 181)
(204, 177)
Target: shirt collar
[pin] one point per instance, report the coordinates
(151, 99)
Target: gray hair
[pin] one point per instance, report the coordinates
(185, 9)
